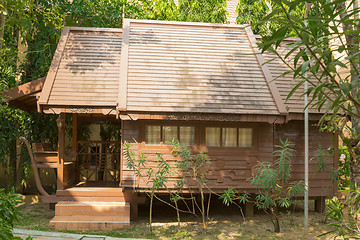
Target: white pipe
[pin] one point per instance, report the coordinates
(306, 144)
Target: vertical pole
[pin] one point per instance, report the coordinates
(306, 144)
(121, 151)
(61, 151)
(74, 133)
(74, 148)
(306, 129)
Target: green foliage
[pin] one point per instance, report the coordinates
(213, 11)
(156, 177)
(343, 214)
(343, 172)
(231, 195)
(38, 25)
(322, 156)
(258, 9)
(195, 162)
(8, 213)
(272, 181)
(327, 52)
(10, 120)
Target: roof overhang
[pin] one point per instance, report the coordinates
(25, 96)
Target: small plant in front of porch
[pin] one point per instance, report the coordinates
(272, 181)
(155, 179)
(196, 166)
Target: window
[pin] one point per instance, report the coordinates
(155, 134)
(213, 136)
(169, 133)
(187, 135)
(229, 137)
(152, 134)
(245, 137)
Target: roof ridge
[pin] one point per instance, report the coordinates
(55, 63)
(200, 24)
(124, 61)
(267, 74)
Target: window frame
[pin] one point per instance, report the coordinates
(164, 124)
(254, 135)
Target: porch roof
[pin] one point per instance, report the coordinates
(24, 96)
(161, 66)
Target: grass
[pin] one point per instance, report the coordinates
(226, 223)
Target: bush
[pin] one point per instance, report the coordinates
(272, 181)
(8, 213)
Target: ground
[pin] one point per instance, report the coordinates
(226, 223)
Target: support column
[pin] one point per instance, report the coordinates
(320, 204)
(249, 209)
(74, 136)
(61, 150)
(74, 148)
(134, 207)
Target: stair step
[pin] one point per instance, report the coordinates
(99, 223)
(90, 199)
(92, 209)
(90, 192)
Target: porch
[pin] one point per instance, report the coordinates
(88, 173)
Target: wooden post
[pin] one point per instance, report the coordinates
(249, 209)
(121, 152)
(74, 134)
(320, 204)
(134, 207)
(61, 150)
(74, 148)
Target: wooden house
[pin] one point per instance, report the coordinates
(204, 84)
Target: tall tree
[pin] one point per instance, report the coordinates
(38, 24)
(254, 11)
(213, 11)
(328, 50)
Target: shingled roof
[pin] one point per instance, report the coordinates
(161, 66)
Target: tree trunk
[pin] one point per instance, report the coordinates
(352, 43)
(275, 221)
(151, 206)
(203, 213)
(21, 172)
(177, 213)
(12, 163)
(2, 25)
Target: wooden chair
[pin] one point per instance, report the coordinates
(40, 164)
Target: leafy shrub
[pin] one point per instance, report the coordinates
(8, 213)
(272, 183)
(344, 213)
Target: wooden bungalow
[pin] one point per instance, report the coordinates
(204, 84)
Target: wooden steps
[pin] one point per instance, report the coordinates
(92, 194)
(100, 209)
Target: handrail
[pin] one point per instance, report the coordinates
(36, 173)
(97, 141)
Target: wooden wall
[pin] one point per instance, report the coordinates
(320, 183)
(233, 166)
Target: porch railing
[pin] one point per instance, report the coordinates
(99, 160)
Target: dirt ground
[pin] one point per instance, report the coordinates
(225, 223)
